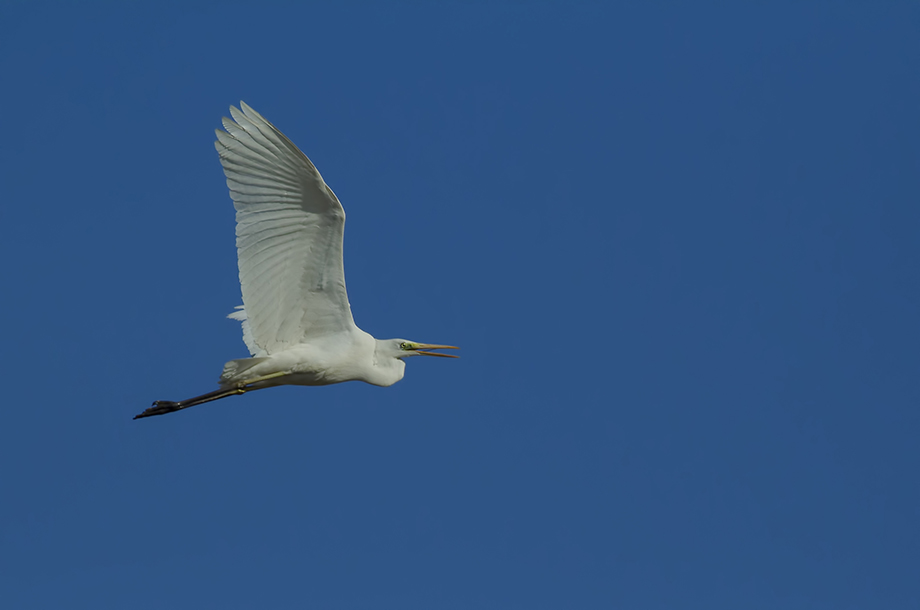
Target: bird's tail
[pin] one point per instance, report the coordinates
(235, 368)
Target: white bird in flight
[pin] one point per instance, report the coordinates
(296, 318)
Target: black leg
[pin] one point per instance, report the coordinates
(162, 407)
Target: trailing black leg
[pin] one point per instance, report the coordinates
(162, 407)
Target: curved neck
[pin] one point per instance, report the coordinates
(387, 369)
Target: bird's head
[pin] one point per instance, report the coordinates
(403, 349)
(389, 358)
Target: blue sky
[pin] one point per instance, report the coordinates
(677, 242)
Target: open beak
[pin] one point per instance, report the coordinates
(418, 347)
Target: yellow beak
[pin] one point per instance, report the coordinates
(418, 347)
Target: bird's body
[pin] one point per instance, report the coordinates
(346, 356)
(296, 318)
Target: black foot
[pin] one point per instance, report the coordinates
(160, 407)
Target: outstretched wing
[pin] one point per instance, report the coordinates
(289, 232)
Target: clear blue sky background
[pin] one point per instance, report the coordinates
(678, 244)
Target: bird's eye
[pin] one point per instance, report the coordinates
(403, 345)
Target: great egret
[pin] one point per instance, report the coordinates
(296, 318)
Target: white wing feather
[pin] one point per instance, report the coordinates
(289, 232)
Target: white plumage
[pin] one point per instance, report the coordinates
(296, 318)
